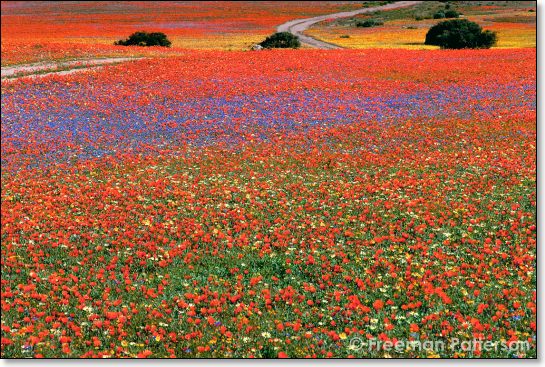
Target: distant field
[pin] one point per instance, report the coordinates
(34, 31)
(514, 21)
(38, 31)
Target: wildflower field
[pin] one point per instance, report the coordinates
(271, 204)
(43, 31)
(207, 201)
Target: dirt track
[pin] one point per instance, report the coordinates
(298, 26)
(61, 68)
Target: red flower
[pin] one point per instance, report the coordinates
(282, 355)
(144, 354)
(378, 304)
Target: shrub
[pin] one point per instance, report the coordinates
(439, 15)
(281, 40)
(460, 33)
(423, 15)
(369, 4)
(369, 23)
(145, 39)
(451, 13)
(447, 13)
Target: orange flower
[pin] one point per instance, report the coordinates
(144, 354)
(378, 304)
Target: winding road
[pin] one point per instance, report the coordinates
(298, 26)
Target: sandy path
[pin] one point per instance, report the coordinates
(298, 26)
(69, 67)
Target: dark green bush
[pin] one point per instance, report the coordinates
(369, 23)
(446, 13)
(145, 39)
(281, 40)
(460, 33)
(451, 13)
(439, 15)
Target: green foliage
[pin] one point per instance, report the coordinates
(281, 40)
(369, 23)
(439, 15)
(450, 13)
(145, 39)
(372, 4)
(460, 33)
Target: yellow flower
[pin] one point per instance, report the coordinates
(342, 336)
(124, 343)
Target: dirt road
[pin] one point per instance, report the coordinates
(58, 68)
(298, 26)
